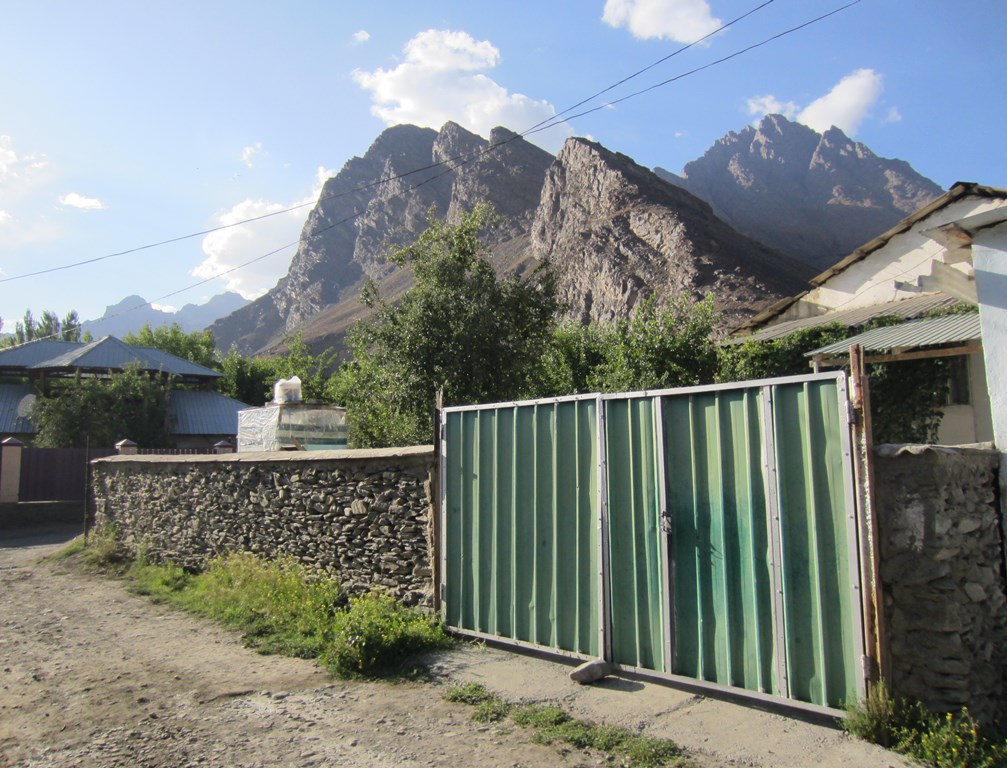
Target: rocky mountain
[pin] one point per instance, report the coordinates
(378, 202)
(813, 196)
(616, 234)
(133, 312)
(762, 211)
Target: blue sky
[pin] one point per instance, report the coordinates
(126, 123)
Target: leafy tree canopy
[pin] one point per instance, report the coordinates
(460, 328)
(197, 347)
(251, 379)
(131, 404)
(49, 326)
(657, 348)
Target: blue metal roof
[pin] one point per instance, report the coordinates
(16, 401)
(101, 355)
(203, 413)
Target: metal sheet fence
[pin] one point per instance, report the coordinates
(522, 557)
(707, 533)
(56, 474)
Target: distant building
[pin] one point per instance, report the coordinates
(198, 417)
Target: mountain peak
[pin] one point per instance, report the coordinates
(813, 196)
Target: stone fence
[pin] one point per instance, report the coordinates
(361, 515)
(366, 516)
(942, 569)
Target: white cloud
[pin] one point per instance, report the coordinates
(74, 200)
(770, 105)
(442, 79)
(5, 217)
(683, 21)
(893, 116)
(164, 308)
(845, 106)
(361, 37)
(226, 249)
(248, 153)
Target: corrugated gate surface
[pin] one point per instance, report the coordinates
(56, 474)
(708, 533)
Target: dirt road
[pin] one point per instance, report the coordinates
(93, 676)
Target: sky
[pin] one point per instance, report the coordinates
(129, 128)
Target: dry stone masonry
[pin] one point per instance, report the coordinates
(942, 564)
(361, 515)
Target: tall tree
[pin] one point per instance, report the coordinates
(198, 346)
(459, 328)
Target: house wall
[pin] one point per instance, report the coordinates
(363, 516)
(942, 561)
(903, 258)
(989, 258)
(972, 423)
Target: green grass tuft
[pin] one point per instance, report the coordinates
(553, 725)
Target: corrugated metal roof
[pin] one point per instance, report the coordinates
(16, 401)
(908, 309)
(104, 354)
(930, 332)
(27, 355)
(203, 413)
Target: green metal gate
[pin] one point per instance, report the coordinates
(705, 533)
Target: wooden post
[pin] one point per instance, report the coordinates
(875, 627)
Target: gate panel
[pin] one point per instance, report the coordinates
(721, 582)
(637, 632)
(822, 626)
(522, 555)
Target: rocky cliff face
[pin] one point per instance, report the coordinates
(813, 196)
(616, 234)
(379, 202)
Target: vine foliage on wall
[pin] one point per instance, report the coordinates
(907, 397)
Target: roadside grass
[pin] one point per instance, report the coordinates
(552, 725)
(952, 740)
(280, 607)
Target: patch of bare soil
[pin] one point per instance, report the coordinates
(91, 675)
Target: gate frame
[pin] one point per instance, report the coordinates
(853, 526)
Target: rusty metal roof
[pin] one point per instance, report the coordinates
(929, 332)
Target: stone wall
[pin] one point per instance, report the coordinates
(361, 515)
(942, 568)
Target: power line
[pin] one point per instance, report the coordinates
(459, 160)
(552, 121)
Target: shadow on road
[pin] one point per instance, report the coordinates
(38, 535)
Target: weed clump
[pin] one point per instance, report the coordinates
(945, 741)
(375, 634)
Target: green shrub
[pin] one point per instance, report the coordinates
(376, 635)
(949, 741)
(492, 710)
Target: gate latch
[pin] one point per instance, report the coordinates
(665, 521)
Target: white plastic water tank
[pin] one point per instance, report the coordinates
(287, 390)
